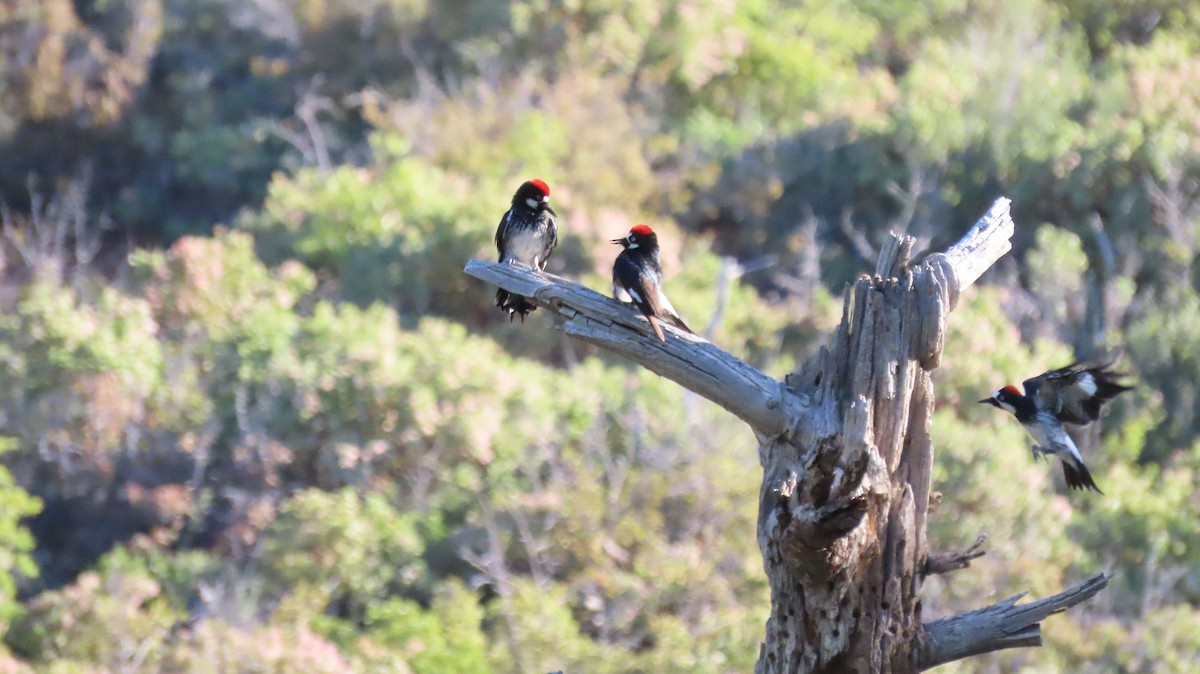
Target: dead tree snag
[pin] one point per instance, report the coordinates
(846, 455)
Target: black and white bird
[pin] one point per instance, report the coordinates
(527, 234)
(1070, 395)
(638, 276)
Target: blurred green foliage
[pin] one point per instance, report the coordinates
(254, 413)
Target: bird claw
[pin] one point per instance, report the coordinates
(1039, 452)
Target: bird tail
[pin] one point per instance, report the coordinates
(657, 328)
(680, 324)
(669, 311)
(1077, 474)
(514, 304)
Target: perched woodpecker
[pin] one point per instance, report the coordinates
(637, 278)
(527, 234)
(1070, 395)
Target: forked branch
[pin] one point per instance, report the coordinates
(999, 626)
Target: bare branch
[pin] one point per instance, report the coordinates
(953, 561)
(999, 626)
(985, 243)
(857, 239)
(688, 360)
(698, 365)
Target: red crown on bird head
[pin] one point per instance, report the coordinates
(641, 230)
(541, 185)
(1011, 389)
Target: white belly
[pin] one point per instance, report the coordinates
(525, 246)
(1053, 437)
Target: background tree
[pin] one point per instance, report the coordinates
(238, 351)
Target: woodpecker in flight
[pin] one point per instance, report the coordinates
(637, 278)
(1070, 395)
(527, 234)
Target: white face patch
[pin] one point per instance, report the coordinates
(533, 203)
(1003, 405)
(1087, 383)
(546, 198)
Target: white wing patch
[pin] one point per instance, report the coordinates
(1087, 383)
(620, 294)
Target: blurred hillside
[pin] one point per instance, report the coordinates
(254, 413)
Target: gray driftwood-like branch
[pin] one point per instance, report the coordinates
(847, 456)
(1006, 624)
(987, 242)
(687, 360)
(698, 365)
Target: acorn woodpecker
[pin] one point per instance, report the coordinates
(1070, 395)
(637, 278)
(527, 234)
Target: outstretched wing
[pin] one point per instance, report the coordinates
(1075, 394)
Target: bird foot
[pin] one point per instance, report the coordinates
(1040, 453)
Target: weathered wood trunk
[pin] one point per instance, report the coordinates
(845, 493)
(847, 457)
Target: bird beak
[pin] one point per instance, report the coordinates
(990, 401)
(619, 242)
(547, 207)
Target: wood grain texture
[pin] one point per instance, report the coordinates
(688, 360)
(1005, 624)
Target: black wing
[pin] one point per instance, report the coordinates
(642, 288)
(551, 239)
(1074, 394)
(500, 230)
